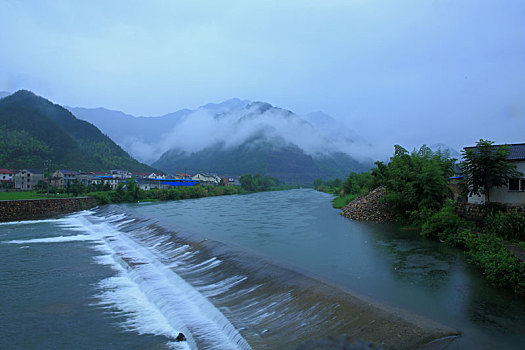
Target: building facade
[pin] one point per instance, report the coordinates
(28, 179)
(514, 192)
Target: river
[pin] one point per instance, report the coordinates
(268, 270)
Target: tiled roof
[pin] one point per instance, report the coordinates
(517, 151)
(7, 171)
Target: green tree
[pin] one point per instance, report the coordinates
(487, 166)
(417, 183)
(318, 182)
(247, 182)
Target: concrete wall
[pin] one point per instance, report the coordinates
(41, 208)
(503, 195)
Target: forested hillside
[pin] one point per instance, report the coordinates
(288, 163)
(33, 129)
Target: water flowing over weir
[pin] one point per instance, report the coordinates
(165, 285)
(159, 300)
(268, 270)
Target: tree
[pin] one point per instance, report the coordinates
(417, 183)
(487, 166)
(247, 182)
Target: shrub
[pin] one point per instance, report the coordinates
(499, 265)
(101, 197)
(510, 225)
(446, 225)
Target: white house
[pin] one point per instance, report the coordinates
(6, 175)
(514, 192)
(120, 174)
(207, 179)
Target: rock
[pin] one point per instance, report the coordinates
(369, 207)
(181, 337)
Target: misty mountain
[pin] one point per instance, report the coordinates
(236, 137)
(140, 135)
(453, 153)
(34, 129)
(286, 162)
(4, 94)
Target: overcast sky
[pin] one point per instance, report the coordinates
(406, 72)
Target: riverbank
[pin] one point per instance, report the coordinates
(26, 209)
(485, 241)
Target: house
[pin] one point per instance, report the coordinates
(28, 179)
(86, 178)
(514, 192)
(230, 181)
(207, 179)
(120, 174)
(156, 176)
(6, 178)
(139, 176)
(107, 179)
(183, 176)
(60, 178)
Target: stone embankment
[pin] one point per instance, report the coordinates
(14, 210)
(369, 207)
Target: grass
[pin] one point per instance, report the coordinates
(28, 195)
(341, 202)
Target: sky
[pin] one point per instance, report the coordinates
(396, 72)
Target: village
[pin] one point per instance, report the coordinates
(35, 179)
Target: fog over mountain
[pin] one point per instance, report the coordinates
(226, 125)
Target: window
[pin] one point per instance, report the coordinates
(514, 184)
(522, 185)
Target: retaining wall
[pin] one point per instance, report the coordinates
(42, 208)
(477, 212)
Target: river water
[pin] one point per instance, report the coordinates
(231, 272)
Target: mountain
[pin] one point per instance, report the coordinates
(33, 130)
(137, 135)
(445, 149)
(236, 137)
(286, 162)
(4, 94)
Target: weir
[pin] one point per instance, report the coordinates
(181, 305)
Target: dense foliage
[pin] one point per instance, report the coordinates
(509, 225)
(447, 226)
(487, 166)
(417, 182)
(34, 130)
(484, 246)
(258, 182)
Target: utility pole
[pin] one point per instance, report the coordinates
(47, 164)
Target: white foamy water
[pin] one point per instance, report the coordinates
(58, 239)
(29, 222)
(152, 297)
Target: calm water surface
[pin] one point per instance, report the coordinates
(133, 276)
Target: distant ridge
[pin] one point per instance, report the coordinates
(33, 130)
(235, 137)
